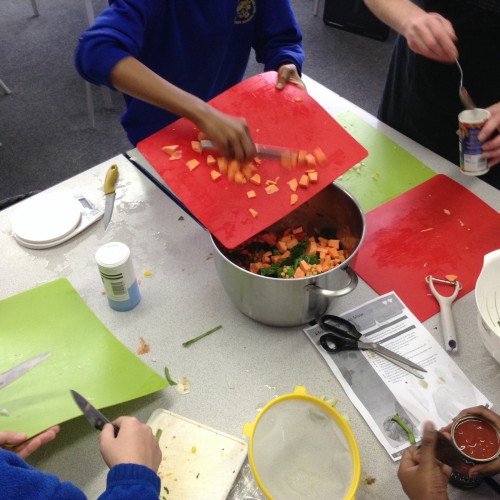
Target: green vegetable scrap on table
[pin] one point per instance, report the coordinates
(403, 425)
(169, 379)
(192, 341)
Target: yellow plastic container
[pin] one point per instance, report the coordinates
(300, 447)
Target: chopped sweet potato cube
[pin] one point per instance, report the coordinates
(272, 188)
(196, 146)
(239, 178)
(310, 159)
(451, 277)
(294, 198)
(251, 193)
(320, 155)
(255, 179)
(313, 176)
(222, 164)
(169, 149)
(214, 174)
(176, 155)
(248, 170)
(192, 164)
(211, 161)
(304, 181)
(312, 248)
(304, 266)
(253, 212)
(299, 273)
(293, 183)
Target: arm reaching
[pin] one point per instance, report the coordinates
(428, 34)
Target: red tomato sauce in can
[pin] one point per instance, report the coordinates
(477, 439)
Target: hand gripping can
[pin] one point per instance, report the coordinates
(118, 277)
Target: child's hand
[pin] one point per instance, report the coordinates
(16, 442)
(135, 444)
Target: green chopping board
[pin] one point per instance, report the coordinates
(388, 171)
(85, 357)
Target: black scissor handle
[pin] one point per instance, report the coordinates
(334, 342)
(339, 326)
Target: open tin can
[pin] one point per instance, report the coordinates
(478, 441)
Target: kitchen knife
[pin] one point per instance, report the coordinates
(19, 370)
(262, 150)
(109, 193)
(93, 415)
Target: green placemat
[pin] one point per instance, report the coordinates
(387, 171)
(85, 357)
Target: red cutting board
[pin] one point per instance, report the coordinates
(437, 228)
(287, 118)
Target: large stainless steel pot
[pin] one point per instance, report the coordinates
(292, 302)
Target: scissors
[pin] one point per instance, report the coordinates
(14, 373)
(343, 335)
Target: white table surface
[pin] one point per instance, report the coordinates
(237, 370)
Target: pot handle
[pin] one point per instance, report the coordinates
(336, 293)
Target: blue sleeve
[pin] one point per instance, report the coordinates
(118, 32)
(20, 480)
(278, 38)
(131, 481)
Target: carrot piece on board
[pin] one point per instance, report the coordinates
(271, 189)
(293, 183)
(253, 212)
(196, 146)
(313, 176)
(211, 161)
(320, 155)
(192, 164)
(304, 181)
(255, 179)
(251, 193)
(176, 155)
(294, 198)
(169, 149)
(214, 174)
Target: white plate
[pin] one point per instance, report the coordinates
(199, 462)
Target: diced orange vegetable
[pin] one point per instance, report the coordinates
(255, 179)
(292, 243)
(304, 266)
(272, 188)
(214, 174)
(282, 246)
(297, 99)
(293, 183)
(248, 170)
(211, 161)
(304, 181)
(222, 164)
(251, 194)
(169, 149)
(192, 164)
(196, 146)
(176, 155)
(313, 176)
(293, 198)
(302, 157)
(310, 159)
(299, 273)
(312, 248)
(239, 178)
(297, 230)
(320, 155)
(451, 277)
(334, 244)
(253, 212)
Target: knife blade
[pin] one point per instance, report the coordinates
(14, 373)
(263, 150)
(109, 193)
(92, 414)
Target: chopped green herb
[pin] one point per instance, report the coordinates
(167, 376)
(159, 433)
(192, 341)
(403, 425)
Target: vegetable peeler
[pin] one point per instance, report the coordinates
(447, 322)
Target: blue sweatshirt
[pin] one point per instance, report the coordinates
(125, 481)
(201, 46)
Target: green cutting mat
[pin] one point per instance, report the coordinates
(387, 171)
(85, 357)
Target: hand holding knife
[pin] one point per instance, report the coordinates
(109, 192)
(92, 414)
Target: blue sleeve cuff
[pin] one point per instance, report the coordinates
(132, 481)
